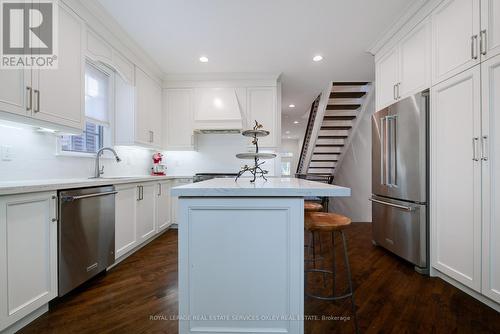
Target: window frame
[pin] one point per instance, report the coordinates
(109, 132)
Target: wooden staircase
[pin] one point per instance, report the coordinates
(328, 134)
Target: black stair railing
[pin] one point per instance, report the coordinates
(307, 136)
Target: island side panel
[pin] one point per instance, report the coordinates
(241, 259)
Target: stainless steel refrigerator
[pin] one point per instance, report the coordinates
(400, 179)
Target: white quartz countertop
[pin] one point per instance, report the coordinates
(273, 187)
(29, 186)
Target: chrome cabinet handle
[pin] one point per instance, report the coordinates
(402, 207)
(151, 136)
(394, 92)
(29, 92)
(483, 42)
(138, 193)
(475, 142)
(37, 94)
(159, 189)
(398, 87)
(473, 47)
(484, 148)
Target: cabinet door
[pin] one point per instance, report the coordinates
(456, 178)
(15, 94)
(125, 219)
(148, 110)
(491, 178)
(59, 93)
(28, 256)
(178, 119)
(455, 34)
(262, 107)
(146, 226)
(163, 205)
(490, 28)
(175, 200)
(387, 78)
(415, 60)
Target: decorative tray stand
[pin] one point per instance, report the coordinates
(255, 169)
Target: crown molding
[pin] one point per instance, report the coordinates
(219, 79)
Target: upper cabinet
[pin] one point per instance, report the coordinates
(455, 38)
(490, 28)
(217, 109)
(262, 107)
(404, 69)
(148, 109)
(36, 94)
(178, 119)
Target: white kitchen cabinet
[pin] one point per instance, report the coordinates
(387, 78)
(178, 123)
(405, 69)
(53, 98)
(163, 206)
(490, 138)
(415, 60)
(456, 178)
(148, 116)
(218, 108)
(490, 28)
(145, 213)
(125, 218)
(262, 107)
(175, 199)
(455, 38)
(28, 256)
(58, 95)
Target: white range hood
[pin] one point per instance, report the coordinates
(217, 110)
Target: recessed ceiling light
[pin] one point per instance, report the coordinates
(317, 58)
(292, 106)
(295, 122)
(204, 59)
(287, 132)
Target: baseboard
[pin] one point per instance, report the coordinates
(26, 320)
(467, 290)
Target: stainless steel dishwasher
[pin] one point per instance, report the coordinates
(86, 235)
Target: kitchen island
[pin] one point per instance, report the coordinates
(241, 254)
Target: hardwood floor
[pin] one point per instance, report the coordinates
(140, 296)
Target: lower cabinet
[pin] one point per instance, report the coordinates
(163, 206)
(145, 215)
(125, 218)
(28, 256)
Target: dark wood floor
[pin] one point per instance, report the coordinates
(390, 297)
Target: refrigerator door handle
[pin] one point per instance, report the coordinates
(393, 163)
(402, 207)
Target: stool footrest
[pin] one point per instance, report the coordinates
(347, 295)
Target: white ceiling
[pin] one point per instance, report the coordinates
(264, 36)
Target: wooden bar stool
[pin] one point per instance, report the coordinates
(316, 222)
(310, 206)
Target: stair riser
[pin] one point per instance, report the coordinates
(345, 101)
(341, 113)
(334, 132)
(350, 89)
(332, 150)
(320, 171)
(322, 164)
(337, 123)
(326, 156)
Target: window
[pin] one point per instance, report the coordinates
(285, 168)
(97, 114)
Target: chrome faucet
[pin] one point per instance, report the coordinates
(98, 170)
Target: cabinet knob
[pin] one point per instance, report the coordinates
(54, 220)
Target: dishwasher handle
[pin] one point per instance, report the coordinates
(74, 198)
(402, 207)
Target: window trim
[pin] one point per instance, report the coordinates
(109, 137)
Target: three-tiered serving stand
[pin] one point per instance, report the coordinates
(256, 169)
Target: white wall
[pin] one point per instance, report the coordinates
(34, 157)
(291, 146)
(355, 172)
(216, 154)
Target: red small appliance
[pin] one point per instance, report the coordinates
(158, 168)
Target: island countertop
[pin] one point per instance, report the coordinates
(273, 187)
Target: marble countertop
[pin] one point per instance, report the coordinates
(274, 187)
(29, 186)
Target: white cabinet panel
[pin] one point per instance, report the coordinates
(14, 95)
(148, 110)
(28, 258)
(490, 28)
(146, 225)
(456, 178)
(262, 104)
(415, 60)
(491, 178)
(98, 49)
(387, 77)
(125, 219)
(163, 206)
(178, 119)
(175, 200)
(455, 31)
(59, 94)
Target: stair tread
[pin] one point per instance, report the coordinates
(317, 167)
(343, 106)
(339, 118)
(329, 145)
(347, 83)
(347, 95)
(324, 160)
(333, 137)
(328, 127)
